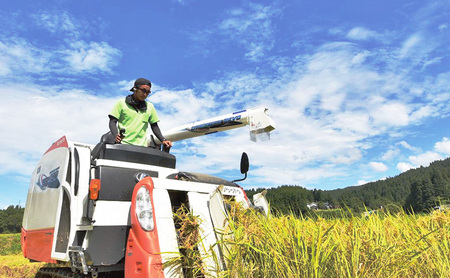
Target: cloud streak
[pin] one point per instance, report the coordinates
(68, 56)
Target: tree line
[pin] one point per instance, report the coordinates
(417, 190)
(11, 220)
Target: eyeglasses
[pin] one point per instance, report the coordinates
(145, 91)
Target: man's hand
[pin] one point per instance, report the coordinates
(167, 144)
(118, 138)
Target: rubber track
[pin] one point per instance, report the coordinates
(65, 272)
(60, 272)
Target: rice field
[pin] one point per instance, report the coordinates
(378, 245)
(16, 266)
(12, 263)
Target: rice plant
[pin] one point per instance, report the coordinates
(379, 245)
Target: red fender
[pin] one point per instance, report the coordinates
(143, 258)
(37, 244)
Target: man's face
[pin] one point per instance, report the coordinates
(142, 92)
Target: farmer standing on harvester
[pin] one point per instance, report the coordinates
(133, 114)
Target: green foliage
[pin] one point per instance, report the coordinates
(11, 220)
(286, 199)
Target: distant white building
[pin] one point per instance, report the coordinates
(315, 206)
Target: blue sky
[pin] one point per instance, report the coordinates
(359, 90)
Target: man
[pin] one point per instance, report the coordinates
(133, 115)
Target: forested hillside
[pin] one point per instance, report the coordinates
(418, 189)
(11, 220)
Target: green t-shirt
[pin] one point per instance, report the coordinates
(134, 121)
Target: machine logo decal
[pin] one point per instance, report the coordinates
(215, 124)
(50, 181)
(231, 191)
(140, 176)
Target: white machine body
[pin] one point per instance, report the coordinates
(65, 222)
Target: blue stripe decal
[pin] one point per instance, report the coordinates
(239, 112)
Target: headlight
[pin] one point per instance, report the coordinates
(144, 210)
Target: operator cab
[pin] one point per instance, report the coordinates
(134, 154)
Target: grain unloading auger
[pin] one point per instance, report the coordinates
(257, 119)
(104, 209)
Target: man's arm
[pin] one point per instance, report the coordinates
(158, 134)
(113, 129)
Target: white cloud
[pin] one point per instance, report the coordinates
(378, 166)
(252, 28)
(256, 51)
(51, 112)
(347, 156)
(390, 154)
(67, 55)
(422, 112)
(357, 122)
(19, 56)
(391, 114)
(424, 159)
(4, 67)
(403, 166)
(443, 146)
(407, 146)
(92, 57)
(396, 151)
(237, 22)
(58, 22)
(361, 33)
(409, 44)
(172, 108)
(361, 182)
(360, 57)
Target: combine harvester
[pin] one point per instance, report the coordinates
(104, 209)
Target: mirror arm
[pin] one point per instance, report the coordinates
(241, 179)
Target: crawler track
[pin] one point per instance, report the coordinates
(65, 272)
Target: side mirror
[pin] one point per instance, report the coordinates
(244, 163)
(244, 166)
